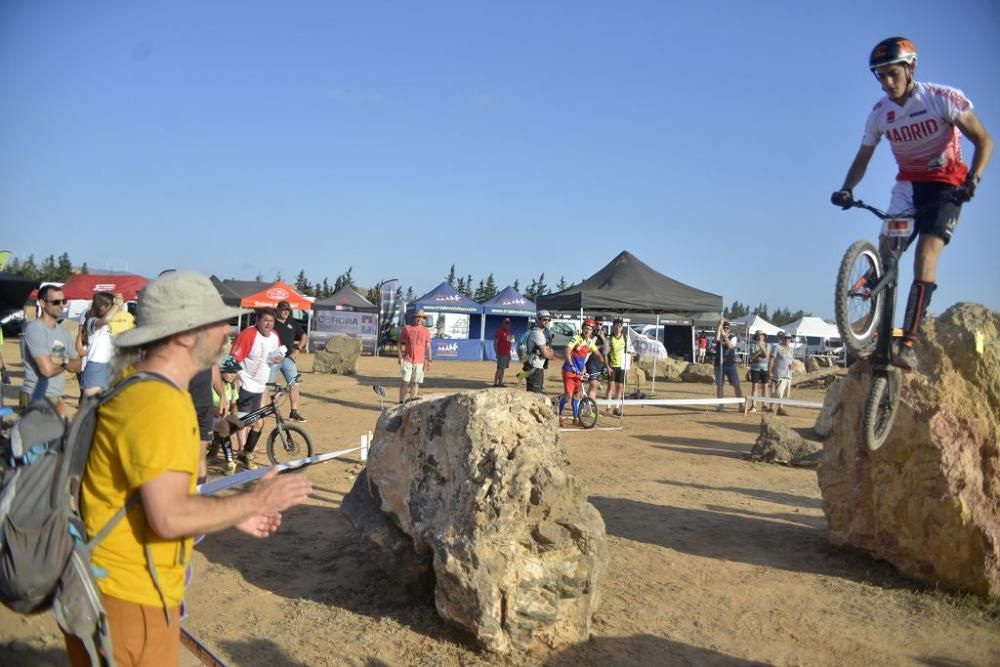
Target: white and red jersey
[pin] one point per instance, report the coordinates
(922, 133)
(254, 351)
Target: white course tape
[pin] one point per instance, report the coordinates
(713, 401)
(247, 476)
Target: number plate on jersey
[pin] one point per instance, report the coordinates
(897, 227)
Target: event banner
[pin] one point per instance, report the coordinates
(644, 345)
(346, 323)
(387, 300)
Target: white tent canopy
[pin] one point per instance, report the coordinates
(812, 326)
(755, 323)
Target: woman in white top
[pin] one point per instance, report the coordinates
(96, 336)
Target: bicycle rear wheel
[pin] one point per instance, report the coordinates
(880, 409)
(588, 412)
(288, 443)
(858, 311)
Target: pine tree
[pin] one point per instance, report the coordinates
(480, 294)
(49, 269)
(460, 287)
(374, 294)
(516, 285)
(490, 290)
(259, 278)
(561, 285)
(410, 295)
(302, 283)
(84, 269)
(64, 268)
(541, 288)
(450, 278)
(325, 289)
(468, 286)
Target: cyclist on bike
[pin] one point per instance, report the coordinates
(578, 349)
(922, 122)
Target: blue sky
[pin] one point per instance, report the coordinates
(516, 138)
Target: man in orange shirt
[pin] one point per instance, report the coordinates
(414, 355)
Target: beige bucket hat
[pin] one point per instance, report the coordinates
(174, 303)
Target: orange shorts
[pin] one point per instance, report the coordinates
(139, 636)
(571, 382)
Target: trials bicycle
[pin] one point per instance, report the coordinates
(286, 442)
(588, 412)
(865, 302)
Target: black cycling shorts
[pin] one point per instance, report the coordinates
(941, 216)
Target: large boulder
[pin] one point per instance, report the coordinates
(340, 356)
(666, 368)
(928, 500)
(812, 364)
(480, 485)
(797, 367)
(824, 421)
(778, 443)
(703, 373)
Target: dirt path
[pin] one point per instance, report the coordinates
(713, 560)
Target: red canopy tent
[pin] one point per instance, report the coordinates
(83, 286)
(279, 291)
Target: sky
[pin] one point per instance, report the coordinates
(512, 138)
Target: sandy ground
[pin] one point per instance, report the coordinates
(714, 560)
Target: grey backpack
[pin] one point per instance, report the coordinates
(45, 557)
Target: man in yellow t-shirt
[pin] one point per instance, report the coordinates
(146, 443)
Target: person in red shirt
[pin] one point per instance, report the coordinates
(414, 355)
(502, 343)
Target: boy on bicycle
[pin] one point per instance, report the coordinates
(578, 350)
(922, 122)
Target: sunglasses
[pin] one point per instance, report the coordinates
(545, 319)
(56, 302)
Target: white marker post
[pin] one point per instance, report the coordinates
(364, 447)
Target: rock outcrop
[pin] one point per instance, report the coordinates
(824, 421)
(479, 485)
(703, 373)
(667, 369)
(778, 443)
(340, 356)
(928, 500)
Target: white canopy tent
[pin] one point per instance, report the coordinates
(812, 326)
(755, 323)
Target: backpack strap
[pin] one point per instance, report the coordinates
(136, 499)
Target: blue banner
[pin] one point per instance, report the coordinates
(456, 349)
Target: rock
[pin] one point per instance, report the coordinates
(480, 485)
(340, 356)
(393, 549)
(778, 443)
(797, 367)
(819, 378)
(812, 364)
(667, 369)
(824, 421)
(636, 372)
(927, 501)
(703, 373)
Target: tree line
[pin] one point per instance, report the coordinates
(778, 317)
(51, 270)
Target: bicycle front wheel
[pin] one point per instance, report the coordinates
(880, 409)
(588, 412)
(858, 310)
(288, 443)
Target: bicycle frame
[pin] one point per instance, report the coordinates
(277, 391)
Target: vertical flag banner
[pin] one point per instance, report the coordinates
(386, 309)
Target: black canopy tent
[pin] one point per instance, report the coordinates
(15, 290)
(628, 285)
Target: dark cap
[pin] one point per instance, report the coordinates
(618, 320)
(725, 324)
(284, 305)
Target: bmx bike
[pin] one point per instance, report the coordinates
(286, 442)
(588, 413)
(865, 302)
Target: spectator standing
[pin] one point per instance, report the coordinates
(503, 341)
(780, 368)
(48, 352)
(759, 357)
(597, 363)
(702, 347)
(145, 445)
(257, 350)
(618, 362)
(539, 351)
(414, 356)
(292, 336)
(725, 362)
(95, 338)
(123, 320)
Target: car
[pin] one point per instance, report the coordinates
(12, 322)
